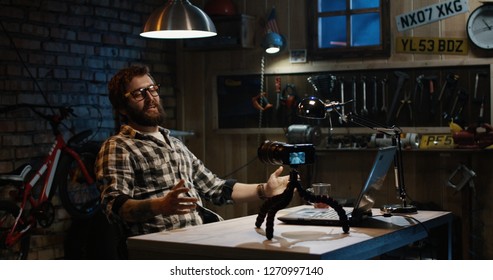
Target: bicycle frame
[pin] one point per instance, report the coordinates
(48, 171)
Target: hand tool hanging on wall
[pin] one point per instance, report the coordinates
(419, 90)
(260, 102)
(374, 108)
(481, 112)
(281, 112)
(401, 79)
(277, 81)
(290, 99)
(364, 110)
(449, 85)
(429, 83)
(455, 112)
(384, 95)
(324, 85)
(354, 84)
(341, 87)
(419, 96)
(405, 102)
(448, 88)
(478, 77)
(462, 102)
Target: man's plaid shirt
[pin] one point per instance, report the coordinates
(137, 166)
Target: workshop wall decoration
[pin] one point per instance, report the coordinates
(480, 26)
(431, 14)
(451, 46)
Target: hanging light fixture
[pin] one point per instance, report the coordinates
(178, 20)
(273, 43)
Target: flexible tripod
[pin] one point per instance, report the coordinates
(272, 205)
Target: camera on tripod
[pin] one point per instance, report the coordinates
(278, 153)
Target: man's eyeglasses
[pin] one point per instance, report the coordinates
(140, 94)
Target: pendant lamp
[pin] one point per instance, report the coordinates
(178, 20)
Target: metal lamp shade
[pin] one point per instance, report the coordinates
(312, 108)
(178, 20)
(273, 42)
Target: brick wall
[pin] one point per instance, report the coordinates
(64, 52)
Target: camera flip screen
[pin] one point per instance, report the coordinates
(297, 158)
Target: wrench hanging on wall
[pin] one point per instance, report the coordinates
(401, 79)
(384, 96)
(355, 96)
(341, 87)
(374, 108)
(364, 110)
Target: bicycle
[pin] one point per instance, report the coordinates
(68, 168)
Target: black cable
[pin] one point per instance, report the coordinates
(25, 65)
(388, 215)
(428, 236)
(239, 168)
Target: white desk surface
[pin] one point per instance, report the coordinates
(240, 239)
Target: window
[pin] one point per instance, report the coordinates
(348, 28)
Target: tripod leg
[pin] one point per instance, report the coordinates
(274, 204)
(282, 201)
(329, 201)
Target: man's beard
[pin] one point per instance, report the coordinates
(143, 118)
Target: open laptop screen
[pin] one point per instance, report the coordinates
(374, 183)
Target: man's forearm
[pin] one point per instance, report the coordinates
(245, 193)
(136, 210)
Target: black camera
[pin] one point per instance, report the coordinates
(278, 153)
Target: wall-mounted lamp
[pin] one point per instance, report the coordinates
(178, 20)
(273, 43)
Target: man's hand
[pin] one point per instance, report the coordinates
(134, 210)
(174, 202)
(276, 183)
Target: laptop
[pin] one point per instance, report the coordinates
(363, 204)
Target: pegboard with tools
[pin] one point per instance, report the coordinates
(405, 97)
(424, 97)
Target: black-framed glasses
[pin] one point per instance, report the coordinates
(140, 94)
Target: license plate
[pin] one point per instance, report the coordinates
(436, 141)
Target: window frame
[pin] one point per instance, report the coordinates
(317, 53)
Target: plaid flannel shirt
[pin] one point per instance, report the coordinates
(137, 166)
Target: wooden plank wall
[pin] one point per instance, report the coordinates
(224, 152)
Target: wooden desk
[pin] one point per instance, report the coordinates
(239, 239)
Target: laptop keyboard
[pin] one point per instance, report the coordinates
(329, 214)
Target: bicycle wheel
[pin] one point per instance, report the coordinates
(79, 198)
(18, 251)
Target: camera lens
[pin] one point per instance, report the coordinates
(271, 152)
(278, 153)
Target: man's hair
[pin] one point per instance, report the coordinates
(118, 85)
